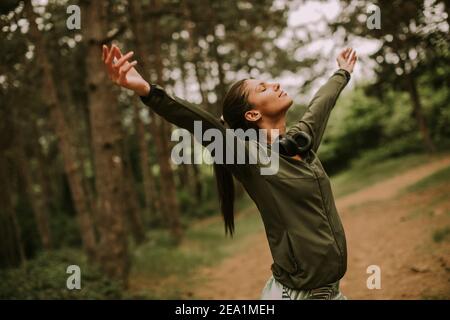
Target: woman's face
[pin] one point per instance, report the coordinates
(268, 99)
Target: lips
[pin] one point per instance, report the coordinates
(281, 93)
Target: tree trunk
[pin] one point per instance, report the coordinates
(11, 246)
(68, 150)
(150, 194)
(44, 180)
(35, 196)
(418, 114)
(133, 209)
(196, 175)
(198, 183)
(194, 54)
(220, 89)
(107, 147)
(169, 203)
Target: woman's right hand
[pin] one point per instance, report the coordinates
(122, 72)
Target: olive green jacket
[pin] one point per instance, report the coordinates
(303, 228)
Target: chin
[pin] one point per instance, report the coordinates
(288, 103)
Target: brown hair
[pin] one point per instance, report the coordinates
(234, 106)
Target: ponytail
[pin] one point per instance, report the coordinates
(225, 187)
(235, 106)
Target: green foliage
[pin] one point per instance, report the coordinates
(436, 100)
(441, 234)
(436, 185)
(45, 278)
(354, 126)
(66, 230)
(439, 177)
(208, 205)
(373, 129)
(411, 69)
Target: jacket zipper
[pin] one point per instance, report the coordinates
(329, 221)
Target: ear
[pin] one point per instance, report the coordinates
(253, 115)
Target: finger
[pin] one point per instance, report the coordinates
(349, 53)
(345, 53)
(129, 66)
(107, 60)
(122, 60)
(104, 52)
(117, 53)
(351, 56)
(110, 55)
(123, 72)
(353, 61)
(117, 56)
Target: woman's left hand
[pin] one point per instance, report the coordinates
(347, 59)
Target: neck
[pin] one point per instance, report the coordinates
(274, 123)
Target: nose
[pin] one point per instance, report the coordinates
(277, 86)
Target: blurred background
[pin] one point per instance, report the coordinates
(86, 177)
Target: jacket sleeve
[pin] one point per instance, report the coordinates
(184, 115)
(315, 119)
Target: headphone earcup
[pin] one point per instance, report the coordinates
(288, 146)
(303, 141)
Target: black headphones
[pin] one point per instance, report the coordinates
(299, 143)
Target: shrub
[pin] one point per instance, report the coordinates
(45, 278)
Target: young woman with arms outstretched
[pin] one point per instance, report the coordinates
(303, 228)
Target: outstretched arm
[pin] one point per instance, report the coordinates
(173, 109)
(315, 119)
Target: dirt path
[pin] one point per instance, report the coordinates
(380, 231)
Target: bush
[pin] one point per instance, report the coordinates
(45, 278)
(375, 128)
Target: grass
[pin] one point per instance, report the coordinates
(434, 183)
(363, 173)
(441, 234)
(428, 208)
(437, 178)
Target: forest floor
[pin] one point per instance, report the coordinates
(401, 224)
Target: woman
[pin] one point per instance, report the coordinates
(303, 228)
